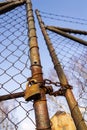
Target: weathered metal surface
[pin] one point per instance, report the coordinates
(69, 30)
(10, 6)
(12, 96)
(32, 92)
(40, 105)
(4, 3)
(76, 114)
(47, 90)
(62, 33)
(42, 121)
(36, 68)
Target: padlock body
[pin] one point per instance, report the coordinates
(32, 92)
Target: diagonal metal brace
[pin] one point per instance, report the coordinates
(5, 3)
(64, 34)
(7, 6)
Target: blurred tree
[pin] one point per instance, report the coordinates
(6, 116)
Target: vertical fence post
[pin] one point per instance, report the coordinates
(40, 105)
(73, 105)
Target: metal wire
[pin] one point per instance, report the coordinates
(14, 70)
(72, 56)
(63, 18)
(15, 114)
(58, 15)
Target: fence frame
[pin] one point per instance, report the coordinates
(73, 105)
(64, 34)
(7, 6)
(39, 103)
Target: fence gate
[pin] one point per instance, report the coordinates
(22, 86)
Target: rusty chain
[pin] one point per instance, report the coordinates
(47, 81)
(49, 89)
(60, 92)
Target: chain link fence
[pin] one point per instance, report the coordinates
(17, 114)
(72, 57)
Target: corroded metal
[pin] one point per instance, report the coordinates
(47, 90)
(36, 67)
(7, 6)
(40, 105)
(4, 3)
(32, 92)
(64, 34)
(75, 112)
(69, 30)
(12, 96)
(41, 112)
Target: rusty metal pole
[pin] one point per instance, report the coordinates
(40, 105)
(68, 30)
(73, 105)
(12, 96)
(64, 34)
(10, 5)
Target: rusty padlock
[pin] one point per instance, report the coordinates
(32, 92)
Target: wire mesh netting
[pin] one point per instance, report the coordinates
(15, 114)
(72, 56)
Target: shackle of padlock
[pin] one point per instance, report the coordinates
(32, 91)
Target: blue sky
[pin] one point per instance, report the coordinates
(72, 8)
(77, 8)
